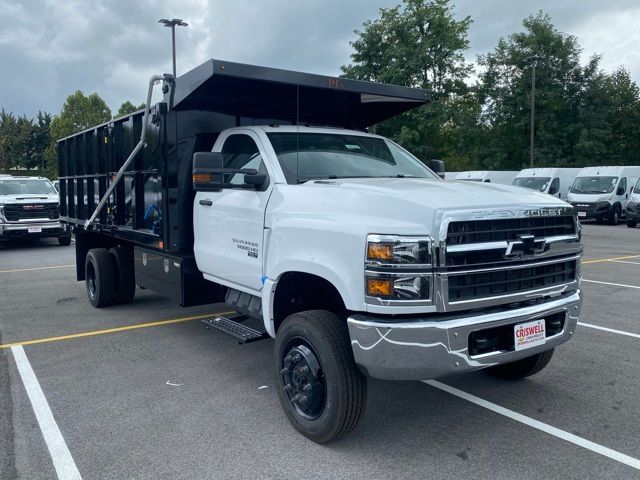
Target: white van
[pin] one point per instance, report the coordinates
(602, 193)
(554, 181)
(503, 177)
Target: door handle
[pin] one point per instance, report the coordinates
(206, 202)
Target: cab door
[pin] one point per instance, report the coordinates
(622, 195)
(229, 225)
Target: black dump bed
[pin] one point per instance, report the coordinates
(152, 205)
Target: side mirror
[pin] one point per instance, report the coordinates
(257, 180)
(438, 167)
(620, 191)
(207, 171)
(553, 190)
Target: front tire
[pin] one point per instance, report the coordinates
(319, 385)
(99, 278)
(64, 241)
(631, 223)
(614, 217)
(522, 368)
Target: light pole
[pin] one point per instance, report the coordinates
(534, 60)
(172, 24)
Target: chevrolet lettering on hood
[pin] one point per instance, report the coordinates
(535, 212)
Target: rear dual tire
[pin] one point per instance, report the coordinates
(109, 276)
(319, 385)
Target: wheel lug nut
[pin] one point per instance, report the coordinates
(287, 387)
(287, 359)
(296, 357)
(303, 370)
(296, 397)
(284, 370)
(307, 387)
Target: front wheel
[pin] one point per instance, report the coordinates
(319, 385)
(631, 223)
(522, 368)
(614, 217)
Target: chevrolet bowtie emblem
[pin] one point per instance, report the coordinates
(526, 244)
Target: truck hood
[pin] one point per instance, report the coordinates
(443, 195)
(28, 198)
(394, 205)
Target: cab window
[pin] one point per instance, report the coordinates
(241, 151)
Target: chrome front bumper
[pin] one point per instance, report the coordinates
(433, 347)
(54, 228)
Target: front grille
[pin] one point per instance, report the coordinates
(478, 285)
(29, 211)
(479, 231)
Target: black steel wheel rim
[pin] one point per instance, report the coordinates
(91, 280)
(304, 380)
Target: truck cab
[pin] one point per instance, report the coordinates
(29, 209)
(265, 189)
(602, 193)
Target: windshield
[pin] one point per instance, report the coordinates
(594, 185)
(534, 183)
(308, 156)
(17, 186)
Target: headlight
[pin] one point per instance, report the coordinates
(391, 250)
(398, 270)
(605, 199)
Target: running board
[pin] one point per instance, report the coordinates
(233, 327)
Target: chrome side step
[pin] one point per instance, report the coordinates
(233, 327)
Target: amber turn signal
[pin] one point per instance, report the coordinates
(377, 287)
(380, 251)
(201, 177)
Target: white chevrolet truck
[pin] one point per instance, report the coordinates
(29, 209)
(264, 189)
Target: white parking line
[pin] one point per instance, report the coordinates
(610, 330)
(623, 261)
(556, 432)
(62, 460)
(36, 268)
(612, 284)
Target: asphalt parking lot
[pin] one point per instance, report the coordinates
(144, 391)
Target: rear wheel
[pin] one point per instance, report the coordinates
(522, 368)
(99, 277)
(319, 385)
(631, 223)
(123, 272)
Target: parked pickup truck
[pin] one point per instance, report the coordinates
(29, 209)
(263, 188)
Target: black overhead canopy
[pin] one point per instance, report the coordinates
(270, 93)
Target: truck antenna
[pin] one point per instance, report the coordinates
(172, 24)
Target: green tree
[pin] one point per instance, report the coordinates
(419, 44)
(79, 112)
(8, 134)
(583, 116)
(127, 108)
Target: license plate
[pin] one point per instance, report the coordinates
(530, 334)
(582, 214)
(34, 229)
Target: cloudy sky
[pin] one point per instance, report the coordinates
(50, 48)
